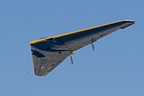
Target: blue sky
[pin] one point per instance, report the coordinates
(115, 68)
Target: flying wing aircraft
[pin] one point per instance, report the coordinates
(49, 52)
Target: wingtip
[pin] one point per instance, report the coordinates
(127, 23)
(127, 20)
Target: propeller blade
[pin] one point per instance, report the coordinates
(93, 47)
(71, 59)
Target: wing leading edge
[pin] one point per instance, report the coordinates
(49, 52)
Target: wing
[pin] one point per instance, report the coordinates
(45, 61)
(49, 52)
(76, 40)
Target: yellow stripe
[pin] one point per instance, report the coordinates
(86, 29)
(36, 41)
(75, 32)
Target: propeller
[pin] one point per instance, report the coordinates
(71, 59)
(72, 52)
(93, 40)
(93, 47)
